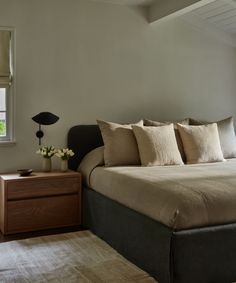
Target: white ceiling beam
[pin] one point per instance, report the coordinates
(164, 10)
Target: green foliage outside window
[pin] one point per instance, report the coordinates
(2, 128)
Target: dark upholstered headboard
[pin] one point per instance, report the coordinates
(82, 139)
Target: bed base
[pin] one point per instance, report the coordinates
(204, 255)
(130, 233)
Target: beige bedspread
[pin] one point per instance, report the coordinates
(180, 197)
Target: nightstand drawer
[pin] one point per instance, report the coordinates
(40, 201)
(42, 213)
(32, 188)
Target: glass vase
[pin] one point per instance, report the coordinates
(47, 164)
(64, 165)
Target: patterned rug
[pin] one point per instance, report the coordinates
(72, 257)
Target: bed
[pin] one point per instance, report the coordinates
(174, 253)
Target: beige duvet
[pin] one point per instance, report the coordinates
(180, 197)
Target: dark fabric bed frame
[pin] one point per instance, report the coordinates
(202, 255)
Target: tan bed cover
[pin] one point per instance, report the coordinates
(180, 197)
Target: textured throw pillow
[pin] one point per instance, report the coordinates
(157, 145)
(178, 138)
(148, 122)
(201, 143)
(194, 122)
(227, 137)
(226, 134)
(120, 146)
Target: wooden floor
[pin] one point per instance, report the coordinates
(20, 236)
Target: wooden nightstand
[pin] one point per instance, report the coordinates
(40, 201)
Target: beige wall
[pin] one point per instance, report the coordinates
(83, 60)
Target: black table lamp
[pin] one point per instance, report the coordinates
(44, 118)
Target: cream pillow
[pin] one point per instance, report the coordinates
(178, 138)
(201, 143)
(227, 137)
(120, 146)
(226, 134)
(157, 145)
(148, 122)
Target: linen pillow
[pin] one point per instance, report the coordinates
(157, 145)
(227, 137)
(194, 122)
(201, 143)
(148, 122)
(120, 146)
(178, 138)
(226, 134)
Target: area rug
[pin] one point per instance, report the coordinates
(72, 257)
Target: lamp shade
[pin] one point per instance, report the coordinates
(45, 118)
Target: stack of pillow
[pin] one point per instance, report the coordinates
(152, 143)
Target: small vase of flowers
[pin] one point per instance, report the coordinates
(47, 153)
(64, 154)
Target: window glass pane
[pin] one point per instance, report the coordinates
(2, 124)
(2, 99)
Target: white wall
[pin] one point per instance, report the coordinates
(84, 60)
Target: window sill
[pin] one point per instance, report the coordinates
(7, 143)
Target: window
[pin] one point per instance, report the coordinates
(3, 113)
(6, 85)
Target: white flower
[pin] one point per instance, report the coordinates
(64, 153)
(47, 151)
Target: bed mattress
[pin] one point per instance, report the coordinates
(180, 197)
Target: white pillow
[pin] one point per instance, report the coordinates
(226, 134)
(201, 143)
(120, 146)
(148, 122)
(157, 145)
(227, 137)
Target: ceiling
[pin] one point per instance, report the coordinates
(217, 16)
(220, 14)
(128, 2)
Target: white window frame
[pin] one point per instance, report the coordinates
(9, 139)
